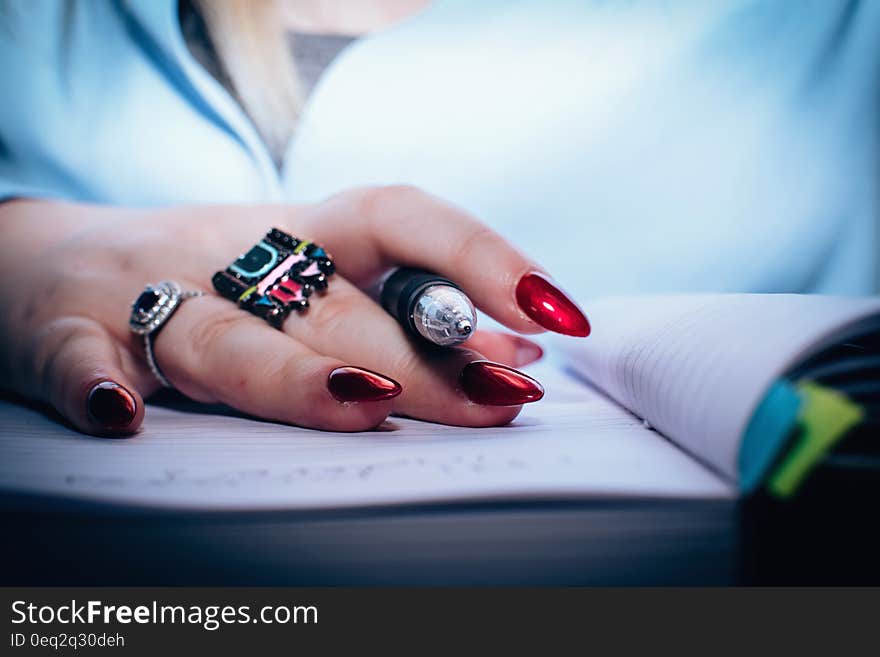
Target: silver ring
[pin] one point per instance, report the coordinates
(149, 313)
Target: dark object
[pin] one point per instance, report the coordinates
(601, 542)
(494, 384)
(355, 384)
(428, 306)
(147, 300)
(111, 406)
(825, 536)
(277, 275)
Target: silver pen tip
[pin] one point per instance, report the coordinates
(444, 315)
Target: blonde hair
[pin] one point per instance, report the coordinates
(253, 47)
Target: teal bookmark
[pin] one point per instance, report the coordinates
(770, 428)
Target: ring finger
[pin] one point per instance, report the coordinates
(214, 352)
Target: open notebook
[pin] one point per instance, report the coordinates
(677, 382)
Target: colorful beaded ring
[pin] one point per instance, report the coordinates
(276, 276)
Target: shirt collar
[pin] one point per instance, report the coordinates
(154, 24)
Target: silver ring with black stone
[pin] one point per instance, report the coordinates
(149, 313)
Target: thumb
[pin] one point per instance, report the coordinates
(84, 379)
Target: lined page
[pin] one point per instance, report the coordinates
(696, 366)
(576, 444)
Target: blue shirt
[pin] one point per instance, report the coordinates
(637, 146)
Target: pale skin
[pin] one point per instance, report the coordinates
(71, 272)
(357, 17)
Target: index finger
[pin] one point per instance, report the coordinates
(401, 225)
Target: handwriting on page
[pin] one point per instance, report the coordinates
(452, 467)
(583, 446)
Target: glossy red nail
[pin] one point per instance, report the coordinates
(550, 307)
(354, 384)
(493, 384)
(111, 406)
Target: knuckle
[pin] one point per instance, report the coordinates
(204, 337)
(196, 231)
(407, 364)
(329, 310)
(477, 242)
(399, 190)
(51, 348)
(375, 202)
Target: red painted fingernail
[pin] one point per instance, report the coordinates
(111, 405)
(526, 351)
(550, 307)
(493, 384)
(354, 384)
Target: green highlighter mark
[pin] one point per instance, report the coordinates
(826, 416)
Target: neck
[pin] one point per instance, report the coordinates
(353, 18)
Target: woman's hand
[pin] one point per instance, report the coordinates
(70, 273)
